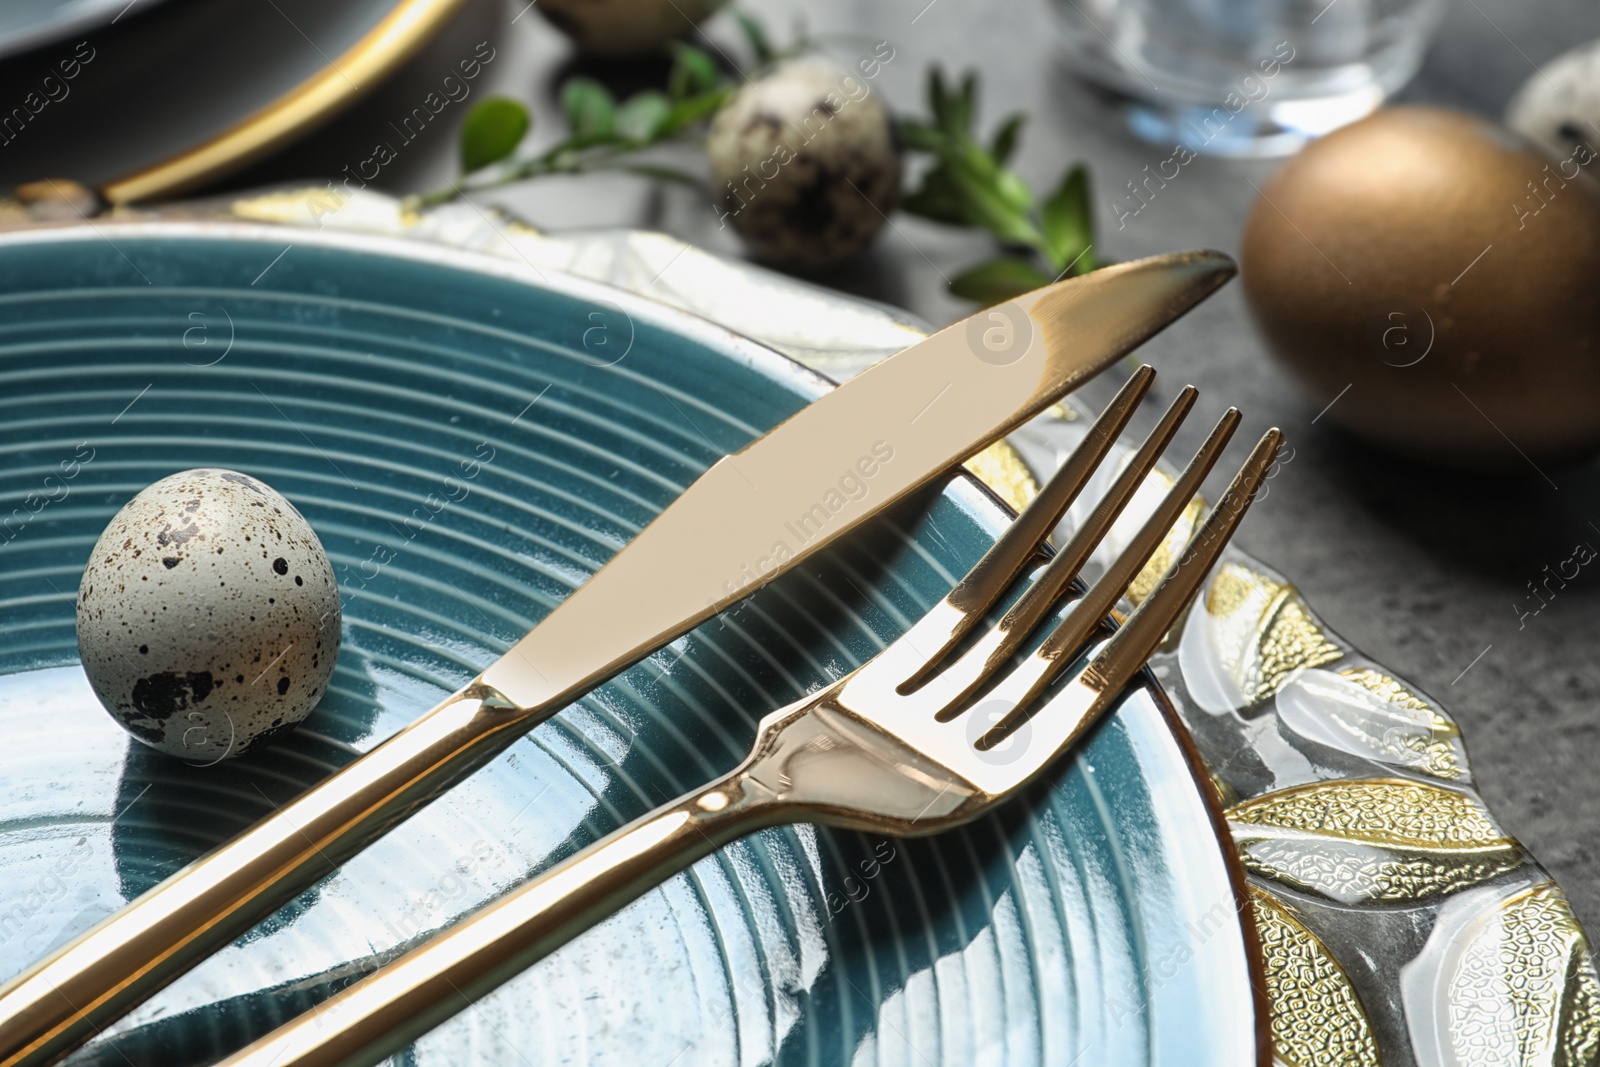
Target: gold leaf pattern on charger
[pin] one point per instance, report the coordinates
(1365, 713)
(1236, 585)
(1541, 955)
(1353, 873)
(1292, 639)
(1437, 754)
(1390, 689)
(1389, 811)
(1001, 469)
(1258, 631)
(1508, 985)
(1317, 1018)
(1371, 839)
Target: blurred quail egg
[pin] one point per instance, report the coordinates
(1560, 105)
(805, 163)
(621, 28)
(208, 616)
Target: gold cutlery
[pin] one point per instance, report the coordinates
(750, 517)
(934, 731)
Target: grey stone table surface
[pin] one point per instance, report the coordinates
(1419, 567)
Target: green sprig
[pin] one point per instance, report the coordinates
(491, 132)
(969, 184)
(603, 132)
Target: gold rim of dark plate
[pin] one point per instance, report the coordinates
(351, 74)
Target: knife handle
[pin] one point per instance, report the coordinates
(398, 1003)
(70, 995)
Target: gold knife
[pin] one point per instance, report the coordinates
(752, 516)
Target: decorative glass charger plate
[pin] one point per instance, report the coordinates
(1397, 923)
(469, 449)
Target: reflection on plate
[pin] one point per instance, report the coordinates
(177, 95)
(1094, 920)
(26, 24)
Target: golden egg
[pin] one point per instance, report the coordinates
(1440, 277)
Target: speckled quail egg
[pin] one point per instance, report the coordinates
(208, 615)
(619, 28)
(1560, 105)
(804, 163)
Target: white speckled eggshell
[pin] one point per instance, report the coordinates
(799, 192)
(1559, 105)
(208, 615)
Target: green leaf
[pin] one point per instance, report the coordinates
(690, 110)
(643, 116)
(1005, 138)
(491, 132)
(757, 36)
(589, 107)
(938, 97)
(1013, 190)
(952, 111)
(985, 209)
(937, 199)
(1069, 223)
(998, 280)
(969, 157)
(966, 104)
(990, 197)
(920, 137)
(693, 71)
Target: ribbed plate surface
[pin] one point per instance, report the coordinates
(385, 389)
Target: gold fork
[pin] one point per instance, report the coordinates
(918, 740)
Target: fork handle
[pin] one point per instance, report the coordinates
(387, 1010)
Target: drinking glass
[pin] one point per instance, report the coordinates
(1246, 77)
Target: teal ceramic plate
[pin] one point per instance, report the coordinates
(1092, 921)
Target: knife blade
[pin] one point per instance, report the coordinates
(752, 516)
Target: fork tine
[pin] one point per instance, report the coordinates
(1044, 593)
(1098, 682)
(1135, 642)
(1086, 615)
(989, 578)
(1061, 646)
